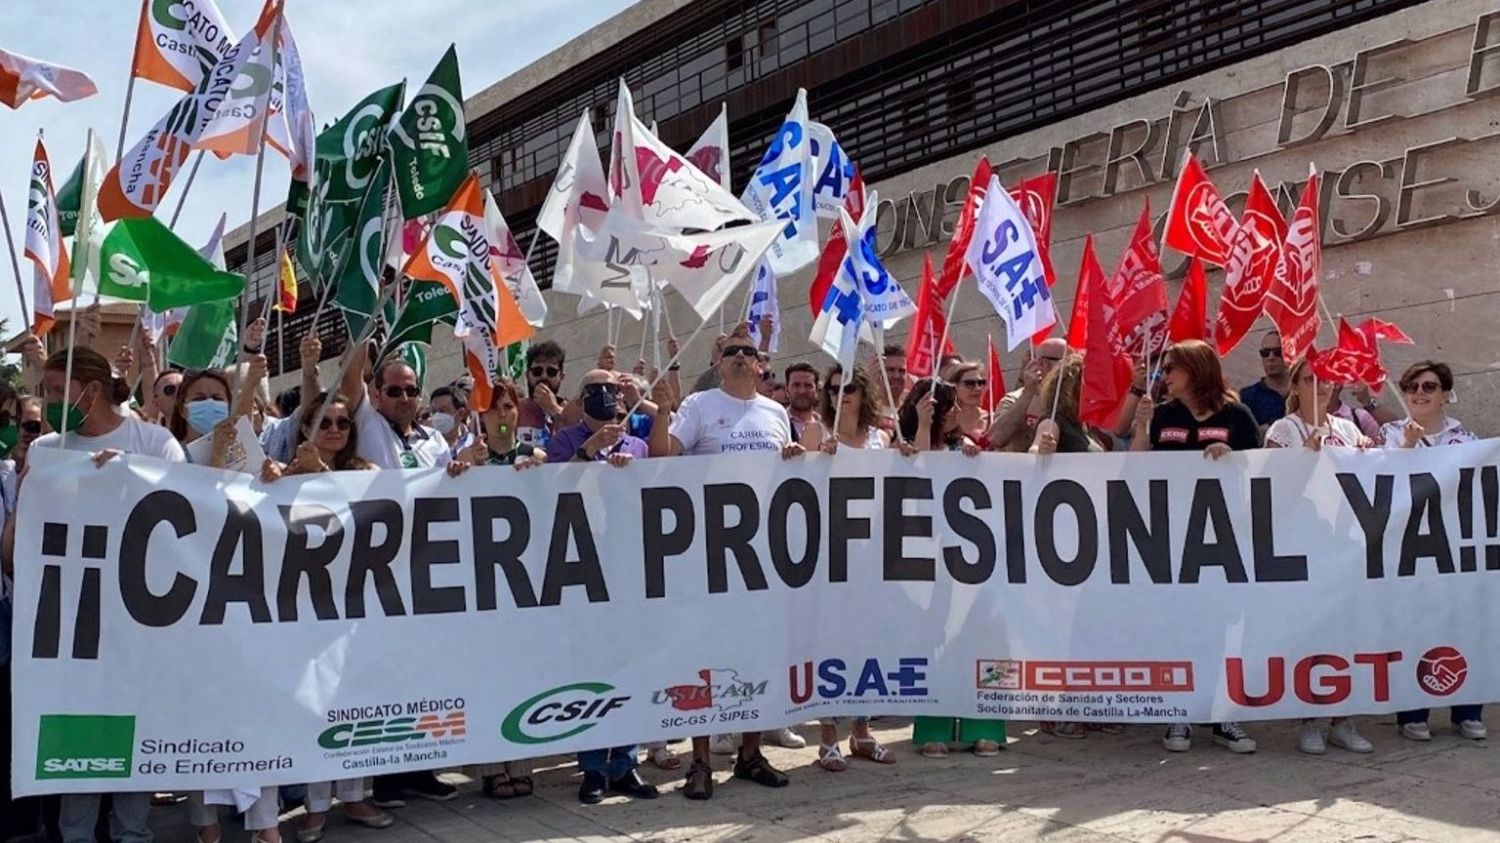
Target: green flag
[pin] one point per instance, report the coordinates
(208, 337)
(356, 277)
(515, 361)
(430, 143)
(69, 197)
(142, 260)
(427, 303)
(348, 153)
(415, 355)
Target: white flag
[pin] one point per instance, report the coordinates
(764, 302)
(834, 171)
(885, 301)
(89, 235)
(237, 122)
(44, 243)
(781, 190)
(508, 258)
(578, 194)
(1003, 257)
(711, 152)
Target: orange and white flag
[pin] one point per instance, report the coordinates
(44, 243)
(177, 44)
(24, 78)
(237, 122)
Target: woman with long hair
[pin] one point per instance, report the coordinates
(203, 407)
(969, 386)
(1201, 414)
(1428, 387)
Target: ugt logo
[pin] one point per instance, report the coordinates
(838, 679)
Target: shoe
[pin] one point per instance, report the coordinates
(986, 748)
(785, 738)
(1473, 730)
(1416, 732)
(757, 769)
(1344, 736)
(1070, 731)
(591, 792)
(387, 795)
(1311, 740)
(428, 786)
(1179, 738)
(1233, 738)
(631, 784)
(700, 781)
(312, 835)
(724, 744)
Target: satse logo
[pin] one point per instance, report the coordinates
(84, 746)
(837, 678)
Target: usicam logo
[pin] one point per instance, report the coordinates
(1082, 676)
(838, 679)
(720, 695)
(1331, 678)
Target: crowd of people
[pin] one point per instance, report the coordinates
(381, 417)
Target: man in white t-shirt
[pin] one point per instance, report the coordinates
(733, 419)
(386, 417)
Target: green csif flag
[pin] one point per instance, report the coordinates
(208, 337)
(357, 275)
(427, 303)
(430, 142)
(142, 260)
(348, 154)
(69, 197)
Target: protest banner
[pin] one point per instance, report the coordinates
(181, 628)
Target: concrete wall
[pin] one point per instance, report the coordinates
(1435, 278)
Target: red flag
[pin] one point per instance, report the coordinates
(1139, 292)
(1106, 366)
(1292, 300)
(1035, 197)
(1379, 329)
(1090, 277)
(1199, 223)
(1254, 254)
(837, 247)
(1356, 358)
(996, 388)
(1190, 317)
(963, 230)
(928, 327)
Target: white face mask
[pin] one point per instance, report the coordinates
(443, 423)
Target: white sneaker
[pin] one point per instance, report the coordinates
(1311, 740)
(786, 738)
(1344, 736)
(1473, 730)
(724, 744)
(1233, 738)
(1179, 738)
(1416, 732)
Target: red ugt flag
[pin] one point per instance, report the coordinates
(1190, 317)
(1139, 292)
(1106, 366)
(1090, 277)
(1254, 254)
(928, 327)
(1199, 223)
(1292, 301)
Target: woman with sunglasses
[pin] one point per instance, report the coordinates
(333, 447)
(1200, 414)
(1428, 386)
(29, 421)
(857, 406)
(970, 383)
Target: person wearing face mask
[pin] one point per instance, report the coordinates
(450, 417)
(600, 435)
(203, 402)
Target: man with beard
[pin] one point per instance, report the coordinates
(801, 397)
(542, 410)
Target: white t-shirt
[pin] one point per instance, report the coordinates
(381, 446)
(1292, 432)
(715, 422)
(133, 436)
(1453, 433)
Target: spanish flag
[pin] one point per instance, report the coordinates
(286, 298)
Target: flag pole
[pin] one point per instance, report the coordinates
(281, 228)
(947, 326)
(890, 397)
(182, 199)
(260, 164)
(125, 117)
(15, 260)
(662, 373)
(1057, 392)
(86, 223)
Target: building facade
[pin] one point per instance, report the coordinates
(1389, 100)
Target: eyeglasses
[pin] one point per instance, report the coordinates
(1424, 387)
(738, 351)
(396, 393)
(31, 426)
(612, 388)
(1268, 353)
(975, 383)
(847, 389)
(343, 424)
(545, 371)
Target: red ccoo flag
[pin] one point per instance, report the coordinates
(1106, 366)
(1254, 254)
(1090, 277)
(1292, 300)
(1139, 292)
(927, 328)
(836, 247)
(963, 230)
(1199, 223)
(1190, 317)
(995, 390)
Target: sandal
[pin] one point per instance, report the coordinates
(830, 759)
(664, 759)
(523, 785)
(700, 781)
(935, 750)
(501, 787)
(872, 749)
(1070, 731)
(986, 748)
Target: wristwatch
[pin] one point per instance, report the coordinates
(1137, 391)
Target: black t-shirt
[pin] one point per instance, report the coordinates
(1173, 428)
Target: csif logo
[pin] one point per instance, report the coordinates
(84, 746)
(561, 713)
(839, 679)
(428, 727)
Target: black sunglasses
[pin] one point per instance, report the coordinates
(738, 351)
(1424, 387)
(31, 426)
(847, 389)
(343, 424)
(394, 392)
(545, 371)
(1268, 353)
(974, 383)
(612, 388)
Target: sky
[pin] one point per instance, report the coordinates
(349, 48)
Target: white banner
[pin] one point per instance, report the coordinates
(179, 628)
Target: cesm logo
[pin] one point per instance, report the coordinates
(427, 727)
(839, 679)
(720, 695)
(561, 713)
(85, 746)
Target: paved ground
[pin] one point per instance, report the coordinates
(1104, 788)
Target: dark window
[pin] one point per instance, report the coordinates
(734, 53)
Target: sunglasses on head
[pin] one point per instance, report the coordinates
(31, 426)
(394, 392)
(545, 371)
(975, 383)
(342, 424)
(1268, 353)
(1424, 387)
(738, 351)
(847, 389)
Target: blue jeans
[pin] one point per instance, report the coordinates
(612, 763)
(1460, 714)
